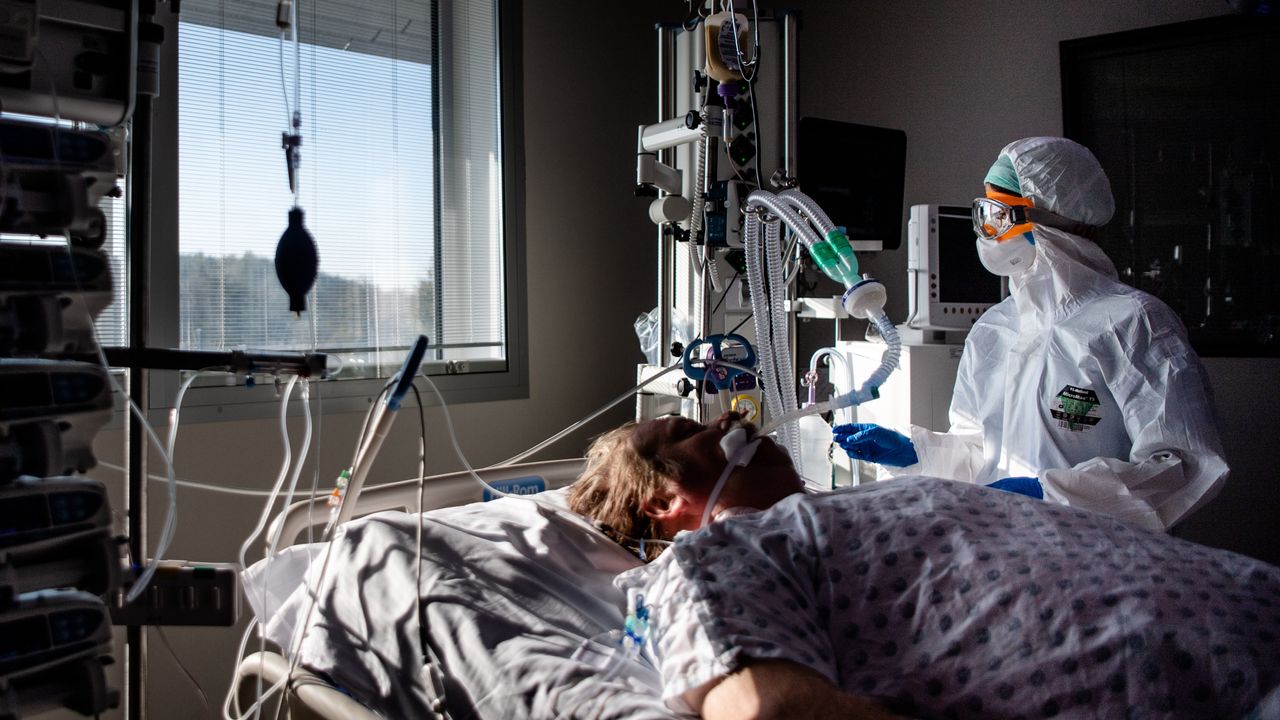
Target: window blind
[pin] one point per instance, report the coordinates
(400, 177)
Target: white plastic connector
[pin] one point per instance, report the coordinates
(669, 209)
(865, 299)
(738, 450)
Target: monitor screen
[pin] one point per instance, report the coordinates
(961, 276)
(855, 173)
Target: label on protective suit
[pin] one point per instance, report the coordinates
(1076, 409)
(531, 485)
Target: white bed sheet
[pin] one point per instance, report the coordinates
(511, 592)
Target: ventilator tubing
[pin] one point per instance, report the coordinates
(699, 197)
(827, 244)
(770, 320)
(833, 254)
(870, 389)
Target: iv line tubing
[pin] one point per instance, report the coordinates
(196, 485)
(280, 478)
(288, 499)
(602, 410)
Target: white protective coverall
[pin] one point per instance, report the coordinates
(1077, 379)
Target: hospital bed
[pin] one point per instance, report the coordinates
(514, 616)
(314, 696)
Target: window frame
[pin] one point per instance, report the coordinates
(484, 380)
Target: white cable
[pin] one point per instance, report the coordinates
(266, 511)
(164, 639)
(743, 62)
(284, 85)
(288, 499)
(196, 485)
(141, 583)
(453, 437)
(294, 652)
(231, 690)
(699, 197)
(262, 519)
(143, 579)
(298, 464)
(171, 516)
(284, 472)
(603, 409)
(315, 466)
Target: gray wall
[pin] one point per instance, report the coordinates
(914, 66)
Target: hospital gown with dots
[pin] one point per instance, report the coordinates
(945, 599)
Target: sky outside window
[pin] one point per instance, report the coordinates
(367, 183)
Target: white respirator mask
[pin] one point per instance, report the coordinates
(1007, 258)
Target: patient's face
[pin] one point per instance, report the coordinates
(695, 449)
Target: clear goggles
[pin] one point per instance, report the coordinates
(1000, 216)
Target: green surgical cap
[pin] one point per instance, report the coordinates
(1002, 175)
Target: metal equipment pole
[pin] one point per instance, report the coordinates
(789, 129)
(666, 242)
(139, 249)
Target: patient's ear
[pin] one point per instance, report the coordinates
(662, 506)
(672, 510)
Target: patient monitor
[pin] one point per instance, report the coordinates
(949, 287)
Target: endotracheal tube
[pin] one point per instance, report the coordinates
(831, 251)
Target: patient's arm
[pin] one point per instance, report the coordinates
(781, 689)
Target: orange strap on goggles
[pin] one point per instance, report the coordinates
(1000, 216)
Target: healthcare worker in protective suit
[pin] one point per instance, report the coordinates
(1077, 387)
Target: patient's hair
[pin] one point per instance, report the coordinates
(614, 486)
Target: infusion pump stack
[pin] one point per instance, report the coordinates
(948, 291)
(59, 554)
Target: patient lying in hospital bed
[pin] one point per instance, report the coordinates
(920, 597)
(944, 599)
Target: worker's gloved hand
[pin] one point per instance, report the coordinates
(1028, 486)
(872, 443)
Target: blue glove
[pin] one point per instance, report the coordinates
(872, 443)
(1028, 486)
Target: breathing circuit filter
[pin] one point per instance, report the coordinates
(865, 299)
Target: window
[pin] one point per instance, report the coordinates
(1190, 146)
(404, 180)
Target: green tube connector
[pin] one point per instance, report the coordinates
(847, 262)
(834, 257)
(827, 260)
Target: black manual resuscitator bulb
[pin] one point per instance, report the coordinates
(296, 261)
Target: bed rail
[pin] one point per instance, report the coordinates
(308, 697)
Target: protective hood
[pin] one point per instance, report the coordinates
(1065, 178)
(1078, 380)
